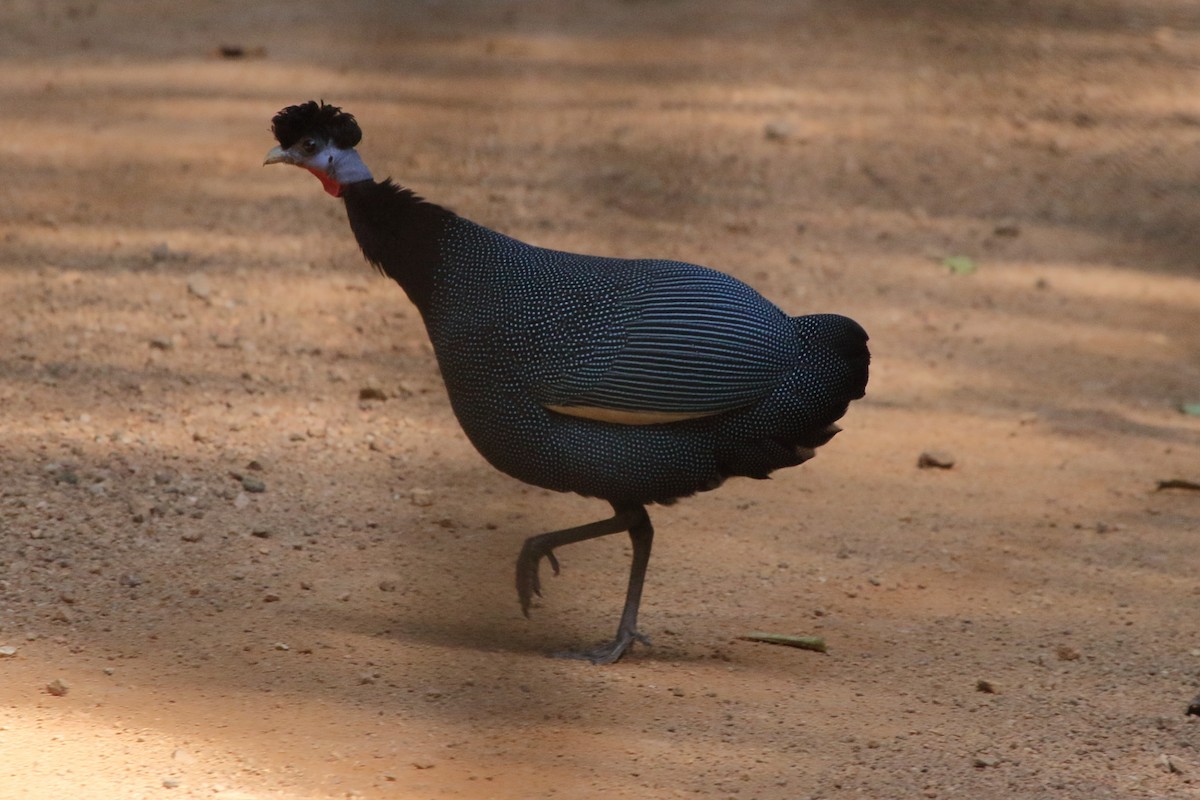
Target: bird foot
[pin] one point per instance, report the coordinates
(529, 583)
(609, 652)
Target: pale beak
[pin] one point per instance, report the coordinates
(278, 155)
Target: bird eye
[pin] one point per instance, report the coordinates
(309, 146)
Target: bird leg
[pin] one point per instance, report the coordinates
(641, 533)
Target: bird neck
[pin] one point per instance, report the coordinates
(399, 233)
(347, 167)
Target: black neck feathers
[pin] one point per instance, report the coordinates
(400, 233)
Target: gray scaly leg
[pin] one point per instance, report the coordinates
(641, 533)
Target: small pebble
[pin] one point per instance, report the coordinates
(170, 783)
(421, 497)
(985, 686)
(1065, 652)
(253, 485)
(7, 651)
(387, 586)
(778, 130)
(58, 687)
(199, 286)
(67, 475)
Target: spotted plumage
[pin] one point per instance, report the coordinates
(633, 381)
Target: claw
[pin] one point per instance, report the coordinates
(529, 582)
(609, 652)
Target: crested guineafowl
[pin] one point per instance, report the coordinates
(633, 381)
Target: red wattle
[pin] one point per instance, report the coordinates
(333, 187)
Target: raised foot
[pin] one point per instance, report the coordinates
(529, 583)
(609, 652)
(536, 548)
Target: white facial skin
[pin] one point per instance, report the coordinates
(333, 166)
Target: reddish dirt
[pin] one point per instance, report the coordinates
(179, 322)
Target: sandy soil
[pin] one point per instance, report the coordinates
(182, 329)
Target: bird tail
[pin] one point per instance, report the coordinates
(846, 340)
(832, 370)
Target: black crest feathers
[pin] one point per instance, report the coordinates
(316, 119)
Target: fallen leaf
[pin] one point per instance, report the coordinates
(1178, 483)
(935, 459)
(960, 265)
(814, 643)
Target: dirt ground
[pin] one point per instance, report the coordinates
(251, 582)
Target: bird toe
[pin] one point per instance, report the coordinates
(609, 652)
(529, 582)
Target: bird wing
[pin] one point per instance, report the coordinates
(678, 342)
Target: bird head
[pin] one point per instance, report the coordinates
(321, 139)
